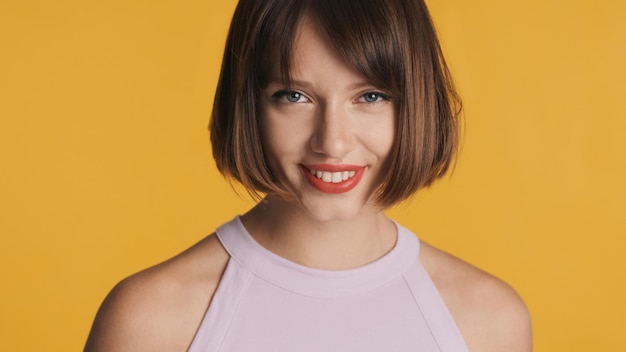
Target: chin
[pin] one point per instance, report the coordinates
(305, 200)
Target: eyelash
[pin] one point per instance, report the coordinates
(382, 96)
(284, 95)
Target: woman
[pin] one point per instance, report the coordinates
(335, 110)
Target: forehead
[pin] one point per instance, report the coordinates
(313, 54)
(365, 45)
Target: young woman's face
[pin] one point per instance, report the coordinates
(326, 137)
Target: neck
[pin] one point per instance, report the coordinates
(289, 232)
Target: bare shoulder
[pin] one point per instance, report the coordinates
(489, 313)
(160, 308)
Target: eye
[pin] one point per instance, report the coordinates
(290, 96)
(374, 97)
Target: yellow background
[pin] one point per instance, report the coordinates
(105, 165)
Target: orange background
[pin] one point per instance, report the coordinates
(105, 165)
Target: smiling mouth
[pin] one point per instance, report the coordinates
(332, 177)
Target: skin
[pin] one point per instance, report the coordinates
(326, 118)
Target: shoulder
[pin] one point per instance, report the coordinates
(489, 313)
(160, 308)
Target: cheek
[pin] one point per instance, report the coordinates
(380, 135)
(284, 138)
(390, 132)
(388, 137)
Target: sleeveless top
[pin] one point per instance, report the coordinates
(267, 303)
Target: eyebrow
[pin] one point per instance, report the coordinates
(294, 82)
(305, 84)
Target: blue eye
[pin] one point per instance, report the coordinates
(374, 97)
(293, 97)
(290, 96)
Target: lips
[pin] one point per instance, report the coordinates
(333, 178)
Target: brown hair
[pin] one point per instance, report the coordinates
(390, 42)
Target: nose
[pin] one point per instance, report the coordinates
(334, 135)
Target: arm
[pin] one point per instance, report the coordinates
(489, 313)
(496, 318)
(160, 309)
(134, 317)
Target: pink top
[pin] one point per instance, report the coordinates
(267, 303)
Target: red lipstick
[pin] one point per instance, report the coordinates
(325, 173)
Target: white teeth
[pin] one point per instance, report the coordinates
(333, 177)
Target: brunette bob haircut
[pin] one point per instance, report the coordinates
(390, 42)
